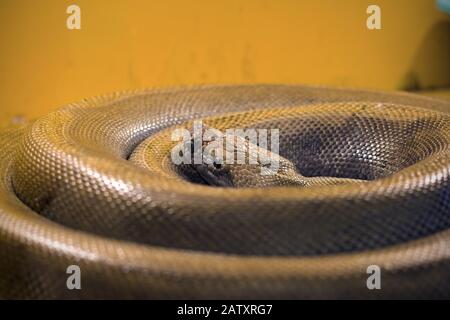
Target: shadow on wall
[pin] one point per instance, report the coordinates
(431, 63)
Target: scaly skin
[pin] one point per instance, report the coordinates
(93, 184)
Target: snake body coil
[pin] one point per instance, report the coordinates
(366, 181)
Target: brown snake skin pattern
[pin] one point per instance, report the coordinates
(92, 184)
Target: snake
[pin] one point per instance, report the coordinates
(362, 179)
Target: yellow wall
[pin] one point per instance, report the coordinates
(127, 44)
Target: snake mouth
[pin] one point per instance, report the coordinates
(210, 175)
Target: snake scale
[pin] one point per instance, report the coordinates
(364, 180)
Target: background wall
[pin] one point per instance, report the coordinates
(126, 44)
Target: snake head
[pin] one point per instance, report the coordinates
(234, 158)
(234, 161)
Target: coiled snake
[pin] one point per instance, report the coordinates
(364, 181)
